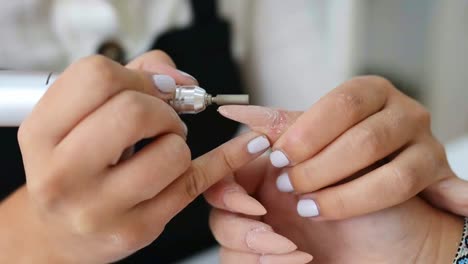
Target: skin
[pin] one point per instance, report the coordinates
(363, 195)
(85, 201)
(412, 232)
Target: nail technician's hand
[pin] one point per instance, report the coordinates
(84, 202)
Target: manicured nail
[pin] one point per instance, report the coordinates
(187, 75)
(278, 159)
(164, 83)
(243, 203)
(283, 183)
(307, 208)
(296, 257)
(265, 241)
(258, 144)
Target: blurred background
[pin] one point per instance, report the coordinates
(284, 53)
(421, 46)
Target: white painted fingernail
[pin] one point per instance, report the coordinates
(283, 183)
(164, 83)
(258, 144)
(187, 75)
(307, 208)
(278, 159)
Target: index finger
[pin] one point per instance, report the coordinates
(79, 91)
(205, 171)
(335, 113)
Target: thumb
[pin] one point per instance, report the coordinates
(268, 121)
(449, 194)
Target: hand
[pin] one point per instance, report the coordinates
(365, 127)
(274, 123)
(84, 201)
(412, 232)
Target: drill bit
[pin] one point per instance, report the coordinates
(229, 99)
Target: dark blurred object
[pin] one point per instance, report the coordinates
(203, 50)
(11, 163)
(113, 50)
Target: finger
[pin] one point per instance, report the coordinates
(147, 173)
(204, 172)
(374, 138)
(449, 194)
(341, 109)
(230, 196)
(393, 183)
(124, 120)
(228, 256)
(247, 235)
(70, 99)
(158, 62)
(269, 121)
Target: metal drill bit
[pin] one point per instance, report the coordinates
(230, 99)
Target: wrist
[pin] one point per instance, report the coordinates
(442, 239)
(23, 238)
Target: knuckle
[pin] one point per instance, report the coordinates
(25, 135)
(46, 192)
(99, 71)
(374, 81)
(350, 104)
(130, 111)
(395, 119)
(229, 160)
(195, 182)
(439, 153)
(405, 180)
(422, 117)
(301, 178)
(339, 207)
(183, 154)
(369, 139)
(161, 54)
(131, 104)
(132, 239)
(380, 81)
(47, 186)
(83, 222)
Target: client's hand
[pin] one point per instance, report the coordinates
(412, 232)
(398, 156)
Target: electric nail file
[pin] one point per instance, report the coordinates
(20, 91)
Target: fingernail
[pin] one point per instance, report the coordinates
(258, 144)
(283, 183)
(263, 240)
(278, 159)
(187, 75)
(307, 208)
(296, 257)
(164, 83)
(243, 203)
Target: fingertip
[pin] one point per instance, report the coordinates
(283, 183)
(279, 159)
(188, 76)
(298, 257)
(164, 83)
(243, 203)
(307, 208)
